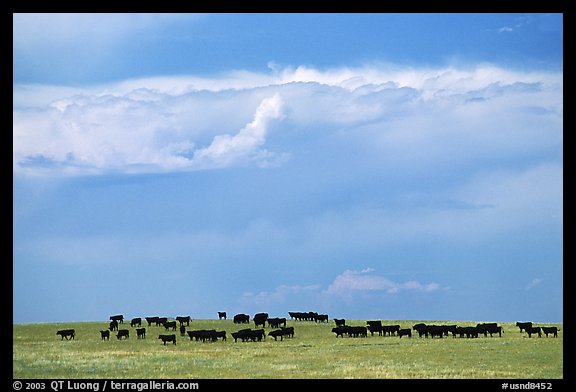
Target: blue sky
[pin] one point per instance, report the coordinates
(388, 166)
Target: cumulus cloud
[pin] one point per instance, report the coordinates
(347, 286)
(444, 116)
(351, 281)
(534, 283)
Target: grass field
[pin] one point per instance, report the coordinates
(314, 352)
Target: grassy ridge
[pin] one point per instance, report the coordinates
(314, 352)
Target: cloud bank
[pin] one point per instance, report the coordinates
(187, 123)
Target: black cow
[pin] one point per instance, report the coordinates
(355, 332)
(276, 333)
(123, 333)
(390, 329)
(183, 319)
(340, 331)
(182, 330)
(241, 318)
(470, 332)
(340, 322)
(322, 318)
(136, 322)
(118, 317)
(288, 332)
(274, 322)
(421, 328)
(374, 328)
(524, 325)
(404, 332)
(66, 333)
(161, 320)
(141, 333)
(241, 334)
(531, 330)
(221, 315)
(551, 330)
(151, 320)
(260, 319)
(169, 325)
(489, 328)
(105, 335)
(168, 338)
(113, 325)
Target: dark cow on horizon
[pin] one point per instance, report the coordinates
(151, 320)
(550, 330)
(340, 322)
(524, 325)
(119, 318)
(113, 325)
(405, 332)
(221, 315)
(169, 325)
(105, 335)
(533, 330)
(241, 318)
(137, 321)
(184, 319)
(260, 319)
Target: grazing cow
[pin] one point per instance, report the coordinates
(340, 322)
(322, 318)
(221, 315)
(241, 334)
(524, 325)
(123, 333)
(340, 331)
(182, 330)
(141, 333)
(66, 333)
(105, 335)
(113, 325)
(169, 325)
(355, 332)
(241, 318)
(260, 319)
(551, 330)
(404, 332)
(421, 328)
(276, 333)
(288, 332)
(489, 328)
(118, 317)
(274, 322)
(136, 322)
(161, 321)
(390, 329)
(151, 320)
(183, 319)
(531, 330)
(168, 338)
(374, 328)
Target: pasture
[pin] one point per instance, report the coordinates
(313, 352)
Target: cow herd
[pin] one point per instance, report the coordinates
(280, 330)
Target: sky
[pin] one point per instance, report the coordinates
(366, 166)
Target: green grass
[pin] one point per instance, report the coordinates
(314, 352)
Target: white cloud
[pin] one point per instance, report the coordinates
(441, 116)
(351, 281)
(225, 150)
(534, 283)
